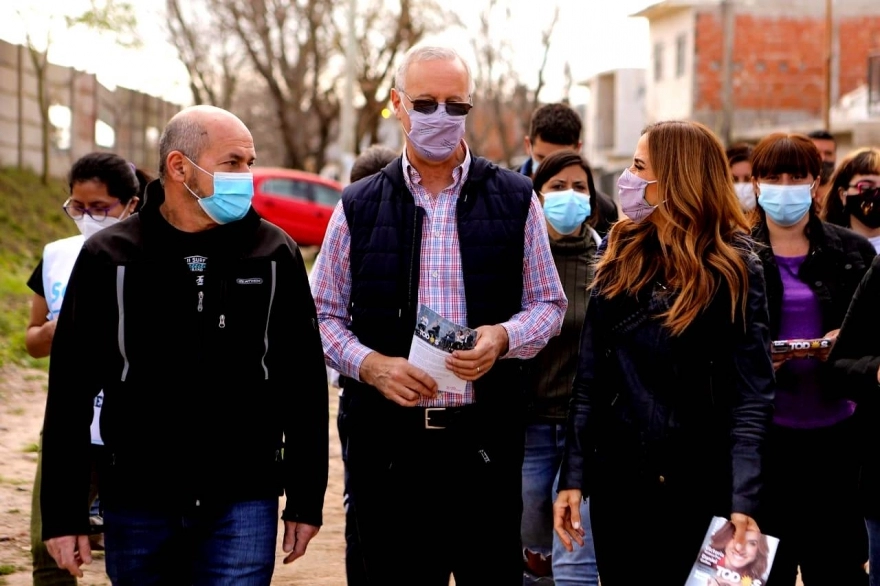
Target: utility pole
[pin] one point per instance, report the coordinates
(347, 118)
(728, 22)
(829, 42)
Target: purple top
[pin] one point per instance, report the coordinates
(800, 401)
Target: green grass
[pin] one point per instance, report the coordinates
(7, 569)
(30, 217)
(31, 448)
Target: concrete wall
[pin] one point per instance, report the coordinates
(136, 119)
(671, 94)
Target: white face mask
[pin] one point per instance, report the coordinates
(88, 226)
(745, 191)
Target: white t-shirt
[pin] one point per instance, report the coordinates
(58, 260)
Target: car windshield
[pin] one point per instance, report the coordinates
(302, 190)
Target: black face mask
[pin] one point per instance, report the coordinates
(826, 172)
(865, 207)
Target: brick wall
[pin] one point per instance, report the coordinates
(858, 38)
(778, 64)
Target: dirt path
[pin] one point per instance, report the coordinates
(22, 400)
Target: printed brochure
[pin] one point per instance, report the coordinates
(722, 562)
(434, 339)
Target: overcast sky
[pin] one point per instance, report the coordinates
(593, 35)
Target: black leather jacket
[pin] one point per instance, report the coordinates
(690, 412)
(856, 360)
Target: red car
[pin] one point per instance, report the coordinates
(298, 202)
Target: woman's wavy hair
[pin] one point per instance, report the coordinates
(554, 163)
(755, 569)
(864, 161)
(702, 245)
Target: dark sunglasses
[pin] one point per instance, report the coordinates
(429, 106)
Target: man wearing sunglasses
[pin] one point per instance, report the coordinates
(435, 476)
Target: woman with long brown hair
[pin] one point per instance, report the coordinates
(673, 393)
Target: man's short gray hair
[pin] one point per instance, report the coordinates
(430, 53)
(185, 134)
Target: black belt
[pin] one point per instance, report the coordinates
(437, 418)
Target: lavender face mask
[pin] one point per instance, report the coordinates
(631, 188)
(435, 135)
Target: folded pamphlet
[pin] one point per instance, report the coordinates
(721, 562)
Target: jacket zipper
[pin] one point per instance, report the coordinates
(268, 318)
(222, 322)
(712, 382)
(412, 261)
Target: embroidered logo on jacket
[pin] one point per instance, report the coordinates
(197, 264)
(252, 281)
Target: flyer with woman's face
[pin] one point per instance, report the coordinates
(724, 562)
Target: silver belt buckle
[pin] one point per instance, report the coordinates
(428, 411)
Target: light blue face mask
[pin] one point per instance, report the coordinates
(566, 210)
(786, 205)
(535, 165)
(232, 195)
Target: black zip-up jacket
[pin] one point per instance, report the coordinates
(214, 384)
(837, 260)
(691, 412)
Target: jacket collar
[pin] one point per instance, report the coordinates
(228, 234)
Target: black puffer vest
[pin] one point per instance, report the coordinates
(386, 233)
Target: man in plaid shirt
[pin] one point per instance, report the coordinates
(435, 477)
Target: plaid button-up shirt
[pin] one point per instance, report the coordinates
(441, 283)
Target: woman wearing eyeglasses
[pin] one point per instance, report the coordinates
(854, 198)
(812, 269)
(104, 189)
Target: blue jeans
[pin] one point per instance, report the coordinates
(543, 455)
(221, 545)
(874, 550)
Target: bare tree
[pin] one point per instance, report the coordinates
(279, 64)
(504, 99)
(213, 61)
(113, 18)
(569, 81)
(386, 35)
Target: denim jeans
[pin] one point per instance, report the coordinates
(543, 455)
(874, 550)
(220, 545)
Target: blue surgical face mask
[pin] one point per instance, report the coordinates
(566, 210)
(535, 164)
(232, 195)
(786, 205)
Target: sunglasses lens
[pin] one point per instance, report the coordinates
(457, 108)
(425, 106)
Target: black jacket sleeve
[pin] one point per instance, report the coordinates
(299, 356)
(855, 356)
(74, 380)
(752, 409)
